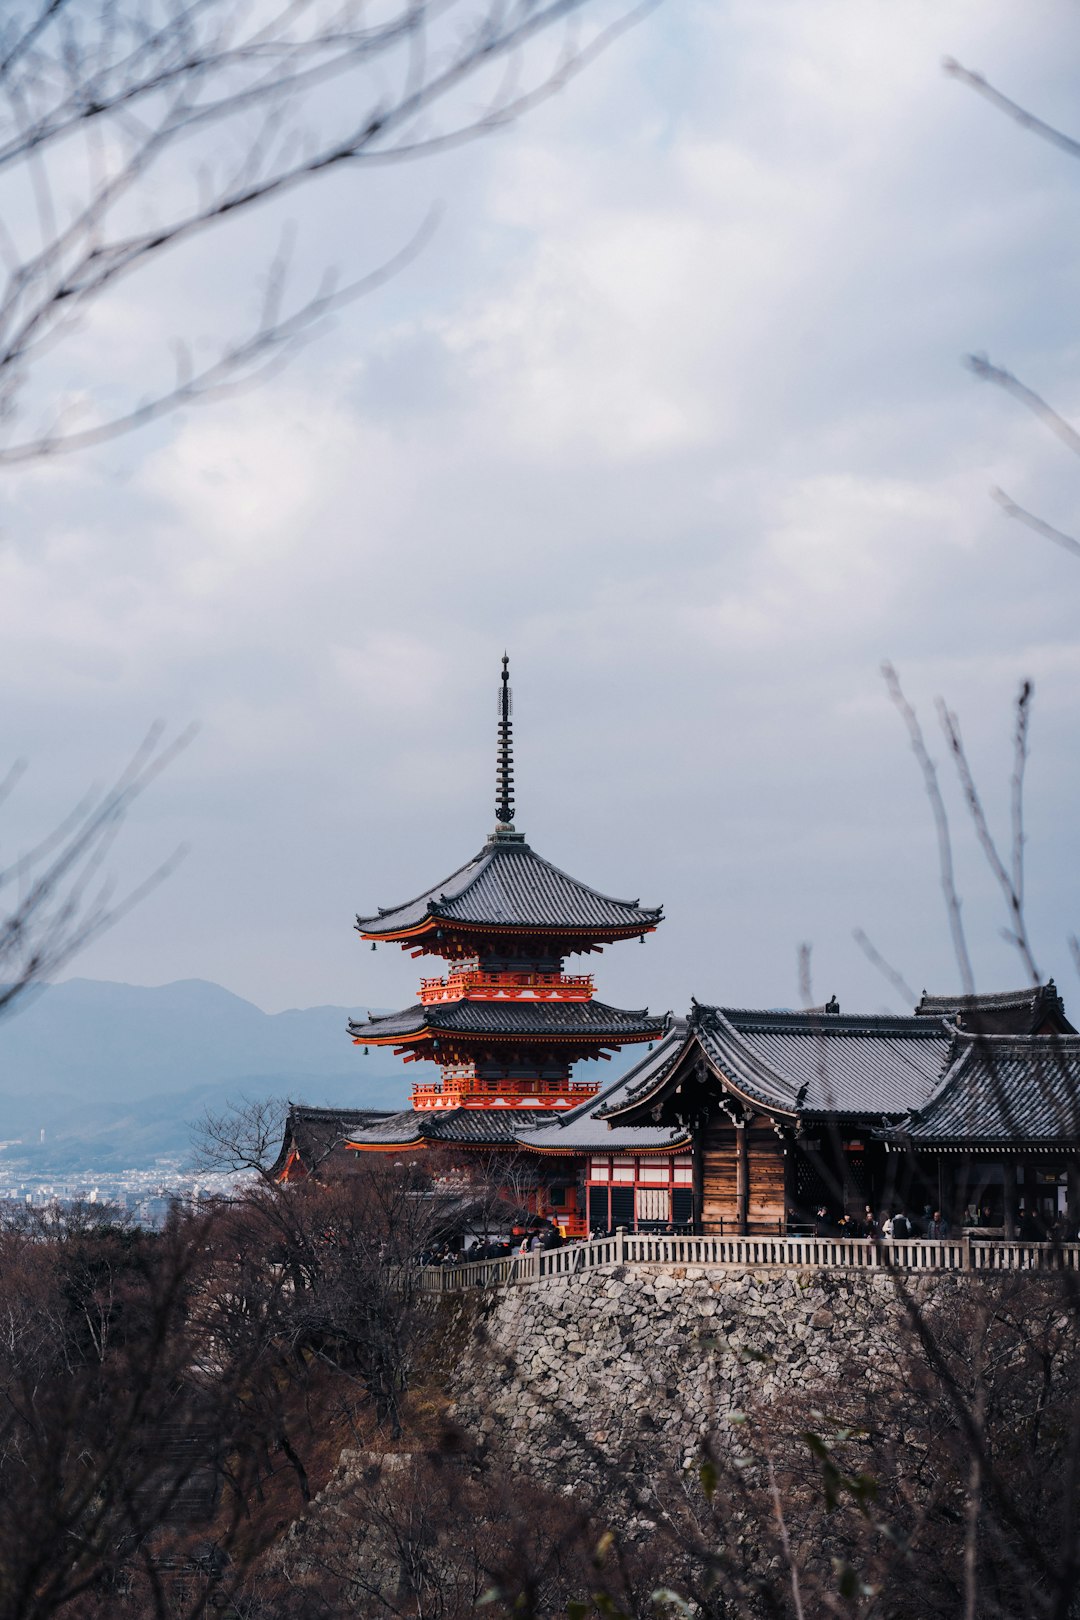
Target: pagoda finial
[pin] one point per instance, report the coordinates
(504, 775)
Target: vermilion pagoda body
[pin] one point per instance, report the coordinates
(507, 1024)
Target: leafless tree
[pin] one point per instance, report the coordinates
(241, 1139)
(57, 896)
(131, 127)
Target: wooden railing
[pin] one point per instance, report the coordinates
(796, 1253)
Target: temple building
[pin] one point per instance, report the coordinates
(970, 1106)
(733, 1120)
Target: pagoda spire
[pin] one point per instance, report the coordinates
(504, 775)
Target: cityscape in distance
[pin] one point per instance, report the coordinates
(102, 1085)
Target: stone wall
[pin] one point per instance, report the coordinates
(634, 1365)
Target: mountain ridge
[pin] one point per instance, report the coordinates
(116, 1073)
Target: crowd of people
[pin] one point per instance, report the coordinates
(892, 1225)
(521, 1240)
(899, 1224)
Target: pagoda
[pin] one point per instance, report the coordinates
(506, 1024)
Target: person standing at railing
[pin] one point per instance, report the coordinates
(901, 1228)
(937, 1227)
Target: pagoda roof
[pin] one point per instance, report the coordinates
(815, 1063)
(480, 1127)
(1006, 1012)
(508, 886)
(508, 1020)
(580, 1130)
(1003, 1090)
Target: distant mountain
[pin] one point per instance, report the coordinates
(115, 1073)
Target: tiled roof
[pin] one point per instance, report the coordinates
(509, 884)
(581, 1131)
(562, 1020)
(495, 1127)
(828, 1063)
(804, 1064)
(1002, 1088)
(1007, 1012)
(313, 1133)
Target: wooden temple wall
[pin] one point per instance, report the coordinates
(743, 1181)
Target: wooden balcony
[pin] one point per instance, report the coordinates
(478, 986)
(477, 1093)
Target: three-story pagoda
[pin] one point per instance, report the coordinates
(506, 1024)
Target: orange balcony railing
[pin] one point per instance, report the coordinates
(496, 1094)
(478, 986)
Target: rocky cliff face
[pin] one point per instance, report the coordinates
(632, 1367)
(737, 1432)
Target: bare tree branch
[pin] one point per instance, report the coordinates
(988, 372)
(941, 826)
(96, 104)
(60, 898)
(1009, 877)
(1037, 524)
(1020, 115)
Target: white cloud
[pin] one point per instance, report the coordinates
(674, 411)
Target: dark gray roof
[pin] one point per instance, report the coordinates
(508, 884)
(495, 1127)
(314, 1133)
(828, 1063)
(1004, 1089)
(806, 1064)
(580, 1131)
(562, 1020)
(1006, 1012)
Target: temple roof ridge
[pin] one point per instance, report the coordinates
(507, 883)
(1017, 1012)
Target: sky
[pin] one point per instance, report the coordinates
(671, 406)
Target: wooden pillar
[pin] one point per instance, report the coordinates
(789, 1179)
(742, 1179)
(698, 1172)
(1010, 1197)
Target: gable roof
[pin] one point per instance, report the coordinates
(508, 885)
(1005, 1012)
(803, 1064)
(1003, 1089)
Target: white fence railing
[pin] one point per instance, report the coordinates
(796, 1253)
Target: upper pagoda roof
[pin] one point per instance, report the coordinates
(1034, 1010)
(507, 1020)
(507, 886)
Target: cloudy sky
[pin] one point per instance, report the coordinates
(671, 407)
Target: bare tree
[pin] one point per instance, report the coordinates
(131, 127)
(243, 1138)
(57, 896)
